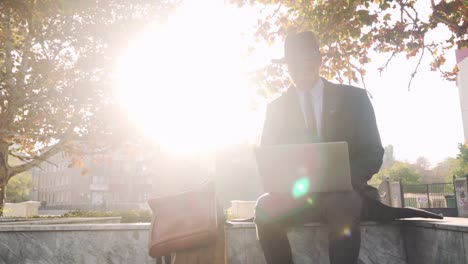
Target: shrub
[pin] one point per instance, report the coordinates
(136, 216)
(133, 216)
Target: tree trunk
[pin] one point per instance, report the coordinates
(4, 169)
(2, 194)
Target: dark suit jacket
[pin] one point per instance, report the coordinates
(347, 116)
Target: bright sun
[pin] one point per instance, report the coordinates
(184, 82)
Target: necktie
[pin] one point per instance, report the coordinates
(310, 118)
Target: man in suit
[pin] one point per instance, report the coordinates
(316, 110)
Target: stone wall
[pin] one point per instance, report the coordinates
(24, 209)
(380, 244)
(79, 243)
(408, 241)
(59, 220)
(434, 242)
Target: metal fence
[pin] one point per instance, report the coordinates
(435, 195)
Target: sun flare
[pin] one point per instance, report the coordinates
(184, 83)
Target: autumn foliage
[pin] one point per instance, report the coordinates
(350, 29)
(57, 60)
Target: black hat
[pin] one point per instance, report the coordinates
(300, 46)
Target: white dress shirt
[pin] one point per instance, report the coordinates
(316, 95)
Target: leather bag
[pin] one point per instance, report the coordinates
(183, 221)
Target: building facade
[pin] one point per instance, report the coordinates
(96, 182)
(126, 180)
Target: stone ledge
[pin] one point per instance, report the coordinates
(90, 244)
(448, 223)
(51, 221)
(252, 225)
(401, 242)
(406, 241)
(74, 227)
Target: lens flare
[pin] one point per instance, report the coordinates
(347, 231)
(300, 187)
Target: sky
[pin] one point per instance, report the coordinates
(423, 121)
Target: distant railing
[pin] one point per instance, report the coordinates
(435, 195)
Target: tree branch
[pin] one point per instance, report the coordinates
(440, 19)
(416, 69)
(36, 160)
(307, 9)
(45, 155)
(8, 47)
(388, 61)
(445, 21)
(403, 9)
(6, 133)
(27, 46)
(5, 77)
(361, 75)
(4, 166)
(22, 158)
(276, 10)
(435, 58)
(28, 159)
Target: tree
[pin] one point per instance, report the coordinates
(388, 157)
(399, 170)
(423, 163)
(423, 167)
(459, 167)
(57, 60)
(19, 188)
(350, 29)
(445, 170)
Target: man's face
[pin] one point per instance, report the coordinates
(304, 73)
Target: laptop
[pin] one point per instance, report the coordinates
(304, 168)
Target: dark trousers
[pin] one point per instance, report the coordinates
(341, 211)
